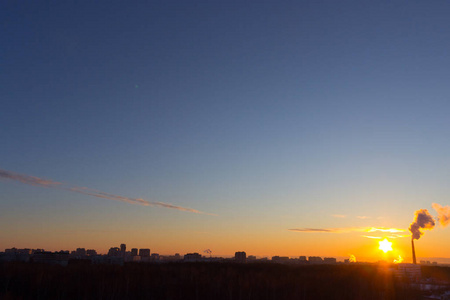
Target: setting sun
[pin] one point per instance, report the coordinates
(385, 245)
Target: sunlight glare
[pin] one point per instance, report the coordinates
(385, 245)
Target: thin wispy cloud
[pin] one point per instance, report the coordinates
(339, 216)
(348, 229)
(325, 230)
(383, 229)
(399, 236)
(36, 181)
(394, 236)
(335, 230)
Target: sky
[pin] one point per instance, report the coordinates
(181, 126)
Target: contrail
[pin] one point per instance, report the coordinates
(28, 179)
(36, 181)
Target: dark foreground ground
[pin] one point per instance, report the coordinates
(207, 281)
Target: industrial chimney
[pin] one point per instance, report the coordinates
(422, 220)
(413, 251)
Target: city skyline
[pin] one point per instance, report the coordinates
(292, 128)
(146, 255)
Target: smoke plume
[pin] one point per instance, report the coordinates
(422, 220)
(36, 181)
(443, 214)
(399, 260)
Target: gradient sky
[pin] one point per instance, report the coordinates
(273, 115)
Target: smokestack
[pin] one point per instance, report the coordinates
(422, 220)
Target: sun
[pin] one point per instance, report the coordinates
(385, 245)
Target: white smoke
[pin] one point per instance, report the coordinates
(443, 214)
(422, 220)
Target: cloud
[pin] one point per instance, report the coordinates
(31, 180)
(443, 213)
(394, 236)
(348, 229)
(316, 229)
(326, 230)
(383, 229)
(339, 216)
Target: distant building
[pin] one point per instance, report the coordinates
(80, 252)
(315, 259)
(91, 252)
(176, 257)
(123, 249)
(115, 260)
(134, 252)
(192, 257)
(53, 258)
(113, 251)
(144, 252)
(251, 258)
(240, 257)
(410, 271)
(302, 258)
(280, 259)
(25, 251)
(14, 254)
(329, 260)
(264, 259)
(154, 257)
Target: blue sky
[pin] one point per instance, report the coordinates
(272, 113)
